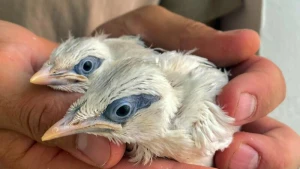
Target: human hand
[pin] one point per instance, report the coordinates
(256, 88)
(27, 111)
(265, 143)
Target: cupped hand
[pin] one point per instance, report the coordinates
(263, 144)
(256, 87)
(27, 111)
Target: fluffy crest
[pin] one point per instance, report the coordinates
(101, 35)
(70, 52)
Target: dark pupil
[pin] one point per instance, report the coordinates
(87, 66)
(123, 111)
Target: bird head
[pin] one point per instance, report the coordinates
(72, 63)
(130, 102)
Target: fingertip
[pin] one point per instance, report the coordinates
(222, 48)
(99, 150)
(239, 154)
(257, 88)
(251, 150)
(93, 150)
(117, 152)
(242, 43)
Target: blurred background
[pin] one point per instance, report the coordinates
(276, 21)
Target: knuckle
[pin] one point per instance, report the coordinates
(278, 85)
(279, 164)
(281, 81)
(8, 156)
(284, 161)
(36, 118)
(189, 29)
(152, 8)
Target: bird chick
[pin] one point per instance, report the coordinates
(133, 101)
(73, 62)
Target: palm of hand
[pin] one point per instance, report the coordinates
(20, 58)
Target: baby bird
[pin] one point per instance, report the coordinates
(155, 108)
(75, 60)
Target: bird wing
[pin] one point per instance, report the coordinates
(208, 125)
(177, 66)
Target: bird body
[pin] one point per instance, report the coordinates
(162, 105)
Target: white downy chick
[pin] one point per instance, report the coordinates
(73, 62)
(153, 106)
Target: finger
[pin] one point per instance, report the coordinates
(19, 152)
(256, 89)
(21, 40)
(168, 30)
(30, 154)
(277, 148)
(40, 107)
(156, 164)
(262, 128)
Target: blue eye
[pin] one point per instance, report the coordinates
(87, 65)
(121, 110)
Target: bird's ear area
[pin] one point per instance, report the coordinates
(145, 100)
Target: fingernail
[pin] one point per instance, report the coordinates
(246, 106)
(245, 157)
(97, 149)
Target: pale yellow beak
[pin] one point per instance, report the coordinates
(64, 128)
(45, 77)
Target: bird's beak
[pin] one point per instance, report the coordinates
(45, 77)
(64, 128)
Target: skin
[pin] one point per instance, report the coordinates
(27, 110)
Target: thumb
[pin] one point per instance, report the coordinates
(19, 151)
(96, 151)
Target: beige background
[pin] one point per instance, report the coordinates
(53, 19)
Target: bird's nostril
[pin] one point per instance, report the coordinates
(75, 123)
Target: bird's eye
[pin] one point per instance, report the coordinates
(123, 110)
(88, 65)
(120, 111)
